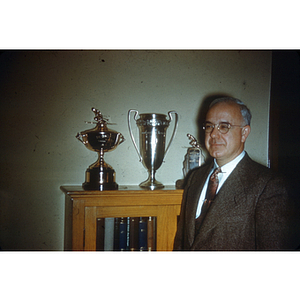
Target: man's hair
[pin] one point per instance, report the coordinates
(245, 111)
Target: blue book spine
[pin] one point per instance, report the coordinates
(123, 234)
(127, 233)
(116, 234)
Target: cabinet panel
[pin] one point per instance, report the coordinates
(87, 206)
(127, 211)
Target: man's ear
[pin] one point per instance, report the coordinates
(245, 132)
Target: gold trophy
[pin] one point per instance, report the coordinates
(100, 175)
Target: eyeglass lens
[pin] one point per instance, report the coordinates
(222, 127)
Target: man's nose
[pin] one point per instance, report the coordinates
(215, 132)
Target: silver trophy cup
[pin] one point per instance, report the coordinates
(152, 142)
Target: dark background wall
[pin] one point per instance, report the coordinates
(284, 116)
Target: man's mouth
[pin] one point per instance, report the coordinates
(216, 144)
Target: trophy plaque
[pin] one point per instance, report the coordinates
(193, 158)
(152, 142)
(100, 175)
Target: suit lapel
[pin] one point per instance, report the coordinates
(195, 189)
(231, 195)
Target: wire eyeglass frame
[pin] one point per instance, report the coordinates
(223, 127)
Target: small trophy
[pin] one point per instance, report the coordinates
(152, 140)
(193, 158)
(100, 175)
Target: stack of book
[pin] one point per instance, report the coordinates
(126, 234)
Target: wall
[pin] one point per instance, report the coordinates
(47, 95)
(285, 98)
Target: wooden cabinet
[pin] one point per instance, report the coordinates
(83, 208)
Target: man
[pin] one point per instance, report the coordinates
(250, 208)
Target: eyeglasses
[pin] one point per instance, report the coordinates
(223, 127)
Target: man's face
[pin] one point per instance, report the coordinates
(226, 147)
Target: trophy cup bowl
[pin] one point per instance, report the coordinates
(100, 175)
(152, 142)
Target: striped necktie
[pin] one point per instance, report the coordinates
(210, 196)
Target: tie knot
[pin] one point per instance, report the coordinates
(215, 173)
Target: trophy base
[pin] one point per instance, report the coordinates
(100, 180)
(87, 186)
(151, 185)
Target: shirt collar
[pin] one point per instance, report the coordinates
(228, 168)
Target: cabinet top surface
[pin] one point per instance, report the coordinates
(77, 189)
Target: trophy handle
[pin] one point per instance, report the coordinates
(174, 130)
(120, 138)
(79, 137)
(130, 131)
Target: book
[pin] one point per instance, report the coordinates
(116, 234)
(151, 234)
(134, 234)
(109, 234)
(154, 233)
(143, 234)
(123, 234)
(128, 234)
(100, 234)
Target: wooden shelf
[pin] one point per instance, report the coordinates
(84, 207)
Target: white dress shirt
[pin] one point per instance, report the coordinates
(226, 171)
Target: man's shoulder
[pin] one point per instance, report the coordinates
(256, 172)
(247, 163)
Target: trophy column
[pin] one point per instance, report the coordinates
(100, 176)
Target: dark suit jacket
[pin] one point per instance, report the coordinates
(252, 211)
